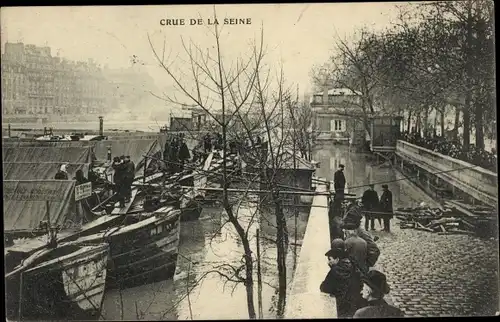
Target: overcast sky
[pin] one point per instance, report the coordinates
(299, 35)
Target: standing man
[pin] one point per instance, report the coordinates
(184, 154)
(386, 206)
(129, 177)
(352, 226)
(370, 203)
(118, 179)
(174, 154)
(207, 143)
(339, 186)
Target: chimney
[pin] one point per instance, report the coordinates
(325, 94)
(101, 126)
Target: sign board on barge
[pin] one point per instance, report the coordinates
(83, 191)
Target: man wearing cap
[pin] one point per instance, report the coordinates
(386, 206)
(343, 280)
(359, 243)
(374, 290)
(339, 182)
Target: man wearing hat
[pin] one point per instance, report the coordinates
(386, 206)
(339, 182)
(343, 280)
(370, 203)
(359, 243)
(374, 290)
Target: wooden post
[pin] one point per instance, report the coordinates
(9, 130)
(259, 277)
(48, 219)
(20, 309)
(144, 172)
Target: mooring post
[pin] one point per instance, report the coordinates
(9, 130)
(20, 308)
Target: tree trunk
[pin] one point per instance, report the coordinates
(426, 122)
(442, 122)
(419, 121)
(456, 123)
(434, 130)
(280, 245)
(478, 117)
(409, 122)
(468, 78)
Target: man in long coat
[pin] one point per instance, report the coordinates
(386, 206)
(370, 203)
(339, 186)
(184, 154)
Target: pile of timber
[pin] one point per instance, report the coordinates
(456, 218)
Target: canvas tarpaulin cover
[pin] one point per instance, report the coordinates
(25, 203)
(46, 154)
(135, 148)
(40, 170)
(63, 144)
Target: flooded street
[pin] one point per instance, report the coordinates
(205, 246)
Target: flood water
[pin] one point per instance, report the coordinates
(204, 245)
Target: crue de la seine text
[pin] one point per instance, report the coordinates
(212, 21)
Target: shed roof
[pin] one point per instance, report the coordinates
(339, 92)
(287, 161)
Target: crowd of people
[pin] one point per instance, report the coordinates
(358, 287)
(176, 154)
(124, 174)
(454, 149)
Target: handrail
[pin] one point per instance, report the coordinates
(451, 159)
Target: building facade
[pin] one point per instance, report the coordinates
(336, 116)
(36, 83)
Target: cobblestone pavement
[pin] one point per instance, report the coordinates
(439, 275)
(429, 274)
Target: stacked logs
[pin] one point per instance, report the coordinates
(447, 221)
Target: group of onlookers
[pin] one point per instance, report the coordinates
(454, 149)
(176, 153)
(123, 177)
(358, 287)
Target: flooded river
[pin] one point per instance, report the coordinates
(208, 243)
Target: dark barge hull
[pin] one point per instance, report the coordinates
(60, 288)
(144, 251)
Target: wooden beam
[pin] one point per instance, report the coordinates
(310, 193)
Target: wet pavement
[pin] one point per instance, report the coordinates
(429, 274)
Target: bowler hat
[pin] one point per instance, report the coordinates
(337, 248)
(385, 186)
(341, 166)
(377, 281)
